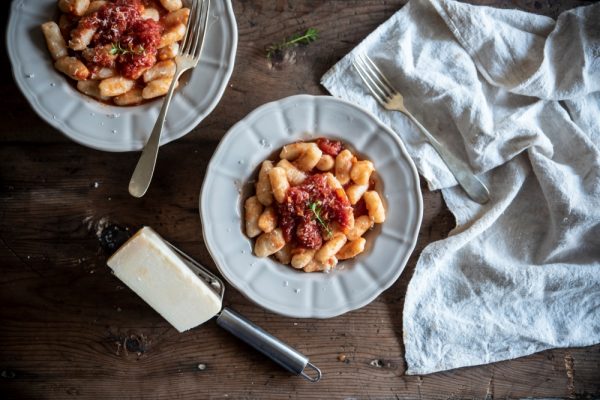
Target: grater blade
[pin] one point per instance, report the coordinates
(204, 273)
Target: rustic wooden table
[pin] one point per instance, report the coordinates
(69, 328)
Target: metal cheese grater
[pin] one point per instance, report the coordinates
(284, 355)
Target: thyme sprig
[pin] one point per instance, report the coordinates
(307, 37)
(315, 207)
(116, 49)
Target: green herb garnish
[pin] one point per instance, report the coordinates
(307, 37)
(116, 49)
(315, 207)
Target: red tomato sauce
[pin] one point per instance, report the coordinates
(309, 210)
(331, 147)
(123, 39)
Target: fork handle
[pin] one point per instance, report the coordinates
(471, 184)
(142, 175)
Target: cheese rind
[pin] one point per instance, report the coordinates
(153, 270)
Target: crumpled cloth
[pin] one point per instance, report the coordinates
(517, 96)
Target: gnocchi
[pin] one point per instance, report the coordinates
(151, 13)
(302, 258)
(95, 6)
(269, 243)
(134, 96)
(279, 183)
(75, 7)
(91, 88)
(102, 73)
(172, 35)
(375, 206)
(253, 210)
(162, 69)
(126, 48)
(264, 192)
(157, 87)
(115, 86)
(343, 165)
(352, 249)
(294, 175)
(325, 163)
(72, 67)
(284, 255)
(171, 5)
(313, 205)
(309, 158)
(177, 17)
(54, 40)
(268, 220)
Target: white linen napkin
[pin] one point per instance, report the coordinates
(517, 96)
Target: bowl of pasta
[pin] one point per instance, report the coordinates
(310, 206)
(97, 69)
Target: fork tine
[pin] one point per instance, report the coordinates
(203, 23)
(380, 75)
(375, 78)
(377, 94)
(193, 29)
(192, 16)
(369, 79)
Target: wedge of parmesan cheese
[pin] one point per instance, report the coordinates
(153, 270)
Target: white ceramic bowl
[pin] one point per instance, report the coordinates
(280, 288)
(106, 127)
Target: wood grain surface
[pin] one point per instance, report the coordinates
(68, 328)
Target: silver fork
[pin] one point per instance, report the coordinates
(390, 99)
(188, 57)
